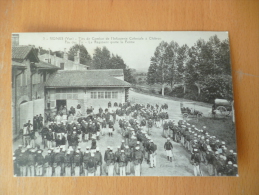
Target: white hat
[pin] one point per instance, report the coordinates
(137, 148)
(235, 165)
(97, 148)
(230, 163)
(122, 150)
(168, 138)
(231, 151)
(122, 141)
(223, 142)
(195, 149)
(151, 140)
(110, 148)
(92, 154)
(39, 151)
(137, 142)
(49, 151)
(77, 151)
(118, 147)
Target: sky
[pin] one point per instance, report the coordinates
(135, 48)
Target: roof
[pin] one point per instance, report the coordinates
(18, 64)
(85, 78)
(22, 52)
(44, 65)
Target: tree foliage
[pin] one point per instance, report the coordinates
(204, 63)
(85, 57)
(103, 59)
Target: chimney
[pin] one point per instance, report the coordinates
(54, 63)
(49, 57)
(77, 57)
(65, 56)
(15, 40)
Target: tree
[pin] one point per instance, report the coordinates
(101, 58)
(217, 86)
(159, 65)
(181, 60)
(85, 57)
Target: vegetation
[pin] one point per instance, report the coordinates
(201, 72)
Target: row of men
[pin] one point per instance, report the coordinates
(61, 162)
(207, 149)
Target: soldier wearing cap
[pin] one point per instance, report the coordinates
(111, 128)
(57, 161)
(31, 163)
(152, 154)
(22, 163)
(86, 157)
(68, 163)
(221, 165)
(209, 160)
(149, 125)
(165, 129)
(128, 154)
(117, 154)
(122, 163)
(168, 146)
(98, 158)
(195, 160)
(39, 159)
(48, 164)
(91, 165)
(110, 160)
(77, 163)
(137, 161)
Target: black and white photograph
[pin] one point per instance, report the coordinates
(156, 103)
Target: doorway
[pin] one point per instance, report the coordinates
(60, 104)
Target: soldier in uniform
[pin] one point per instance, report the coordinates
(110, 160)
(111, 128)
(48, 164)
(152, 154)
(116, 155)
(98, 158)
(165, 129)
(31, 163)
(149, 125)
(57, 163)
(39, 159)
(22, 163)
(122, 163)
(85, 160)
(77, 163)
(137, 160)
(195, 160)
(91, 165)
(209, 160)
(168, 146)
(68, 163)
(128, 154)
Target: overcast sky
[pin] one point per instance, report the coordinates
(136, 48)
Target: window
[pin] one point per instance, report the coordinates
(114, 94)
(93, 95)
(107, 95)
(100, 95)
(62, 66)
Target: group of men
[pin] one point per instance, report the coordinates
(204, 148)
(64, 136)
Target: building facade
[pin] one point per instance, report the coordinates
(29, 75)
(91, 88)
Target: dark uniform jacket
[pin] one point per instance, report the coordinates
(168, 146)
